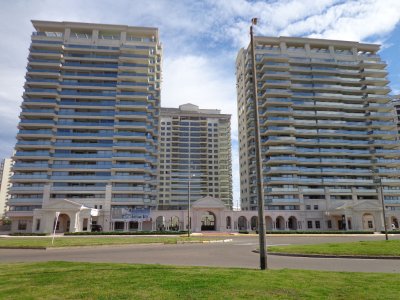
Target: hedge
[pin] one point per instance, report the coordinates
(318, 232)
(127, 233)
(27, 234)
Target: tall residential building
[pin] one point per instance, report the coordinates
(328, 134)
(195, 155)
(5, 173)
(88, 129)
(396, 105)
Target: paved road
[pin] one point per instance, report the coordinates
(237, 253)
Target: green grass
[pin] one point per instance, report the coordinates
(66, 280)
(45, 242)
(373, 248)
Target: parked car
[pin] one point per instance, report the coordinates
(97, 228)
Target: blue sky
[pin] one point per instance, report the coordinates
(200, 42)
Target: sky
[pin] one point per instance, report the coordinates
(200, 42)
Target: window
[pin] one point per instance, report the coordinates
(308, 207)
(309, 224)
(315, 207)
(22, 224)
(370, 224)
(329, 224)
(317, 224)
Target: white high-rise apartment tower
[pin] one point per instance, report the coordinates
(195, 156)
(328, 134)
(5, 173)
(88, 128)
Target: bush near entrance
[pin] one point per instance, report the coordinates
(127, 233)
(318, 232)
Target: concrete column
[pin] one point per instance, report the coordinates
(107, 199)
(140, 226)
(123, 38)
(107, 224)
(67, 34)
(46, 195)
(77, 222)
(95, 37)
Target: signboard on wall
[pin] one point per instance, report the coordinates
(131, 214)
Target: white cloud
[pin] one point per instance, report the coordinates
(201, 81)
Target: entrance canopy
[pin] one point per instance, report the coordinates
(76, 213)
(208, 203)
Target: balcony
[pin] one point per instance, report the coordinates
(91, 103)
(79, 177)
(29, 176)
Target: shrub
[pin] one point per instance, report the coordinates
(27, 234)
(127, 233)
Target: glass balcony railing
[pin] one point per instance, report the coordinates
(77, 64)
(29, 176)
(31, 165)
(81, 166)
(40, 143)
(24, 131)
(131, 103)
(96, 113)
(92, 74)
(93, 134)
(79, 177)
(92, 103)
(32, 90)
(82, 155)
(68, 145)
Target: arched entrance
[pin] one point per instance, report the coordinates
(174, 225)
(280, 223)
(292, 223)
(268, 223)
(254, 223)
(208, 221)
(160, 223)
(228, 222)
(368, 222)
(63, 224)
(242, 223)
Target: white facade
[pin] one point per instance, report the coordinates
(195, 146)
(207, 214)
(88, 128)
(5, 173)
(327, 131)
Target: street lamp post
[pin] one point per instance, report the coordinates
(260, 192)
(379, 181)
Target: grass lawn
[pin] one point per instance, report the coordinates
(45, 242)
(66, 280)
(376, 248)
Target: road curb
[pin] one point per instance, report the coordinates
(23, 248)
(218, 241)
(332, 256)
